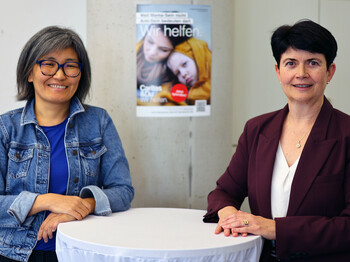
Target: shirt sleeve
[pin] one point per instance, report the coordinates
(102, 206)
(21, 206)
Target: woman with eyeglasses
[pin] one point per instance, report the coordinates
(60, 159)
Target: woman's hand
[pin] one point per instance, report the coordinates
(223, 214)
(71, 205)
(244, 223)
(50, 225)
(61, 204)
(63, 209)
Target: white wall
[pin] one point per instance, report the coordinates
(335, 16)
(175, 162)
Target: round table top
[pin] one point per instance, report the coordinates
(147, 230)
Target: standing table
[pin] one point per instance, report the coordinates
(151, 234)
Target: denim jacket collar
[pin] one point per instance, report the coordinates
(28, 115)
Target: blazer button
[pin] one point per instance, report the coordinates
(74, 152)
(76, 180)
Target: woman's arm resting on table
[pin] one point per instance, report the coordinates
(243, 223)
(70, 205)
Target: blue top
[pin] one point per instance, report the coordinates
(58, 171)
(97, 167)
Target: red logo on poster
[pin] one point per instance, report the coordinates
(179, 92)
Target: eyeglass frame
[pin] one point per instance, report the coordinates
(39, 62)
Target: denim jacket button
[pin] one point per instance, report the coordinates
(74, 152)
(76, 180)
(93, 152)
(17, 155)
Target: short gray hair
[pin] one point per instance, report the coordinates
(50, 39)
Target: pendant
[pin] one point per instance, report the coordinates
(298, 144)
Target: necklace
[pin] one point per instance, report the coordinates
(308, 126)
(298, 144)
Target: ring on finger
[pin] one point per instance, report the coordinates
(246, 223)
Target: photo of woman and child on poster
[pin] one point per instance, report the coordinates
(173, 60)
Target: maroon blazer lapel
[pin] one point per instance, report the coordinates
(311, 163)
(309, 166)
(265, 160)
(264, 167)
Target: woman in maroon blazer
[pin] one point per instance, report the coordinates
(293, 164)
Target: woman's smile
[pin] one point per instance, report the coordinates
(57, 88)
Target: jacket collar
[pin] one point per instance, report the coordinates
(310, 164)
(28, 115)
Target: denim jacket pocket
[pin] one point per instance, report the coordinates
(91, 154)
(19, 161)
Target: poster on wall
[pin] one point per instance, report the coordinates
(173, 52)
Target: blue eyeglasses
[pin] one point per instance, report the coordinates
(50, 68)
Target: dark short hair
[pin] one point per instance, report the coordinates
(304, 35)
(50, 39)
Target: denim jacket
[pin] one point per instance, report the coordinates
(97, 167)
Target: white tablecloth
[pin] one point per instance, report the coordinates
(151, 234)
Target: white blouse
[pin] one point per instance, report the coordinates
(282, 178)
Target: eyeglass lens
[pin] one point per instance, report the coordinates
(50, 68)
